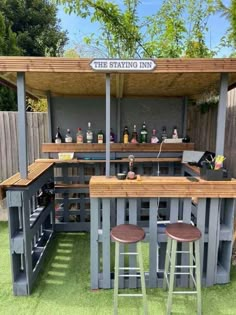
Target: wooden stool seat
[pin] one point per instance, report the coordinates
(183, 232)
(127, 233)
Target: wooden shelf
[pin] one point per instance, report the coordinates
(116, 147)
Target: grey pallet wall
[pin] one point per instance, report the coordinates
(31, 230)
(214, 218)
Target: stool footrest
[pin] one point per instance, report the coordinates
(127, 275)
(132, 253)
(129, 294)
(184, 292)
(129, 268)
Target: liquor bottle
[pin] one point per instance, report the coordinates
(112, 136)
(126, 135)
(143, 133)
(100, 136)
(154, 138)
(134, 138)
(58, 137)
(175, 133)
(163, 134)
(79, 136)
(68, 137)
(89, 134)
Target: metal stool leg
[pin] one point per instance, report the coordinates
(172, 274)
(116, 284)
(191, 264)
(167, 263)
(198, 277)
(143, 286)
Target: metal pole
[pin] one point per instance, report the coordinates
(22, 127)
(221, 117)
(108, 123)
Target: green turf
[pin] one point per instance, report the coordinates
(63, 287)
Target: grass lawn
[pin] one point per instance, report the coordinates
(63, 287)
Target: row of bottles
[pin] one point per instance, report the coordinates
(142, 137)
(88, 137)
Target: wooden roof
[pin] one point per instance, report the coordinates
(75, 77)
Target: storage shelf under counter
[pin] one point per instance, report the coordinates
(116, 202)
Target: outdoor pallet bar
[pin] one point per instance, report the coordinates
(212, 214)
(88, 196)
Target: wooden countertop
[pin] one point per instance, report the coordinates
(153, 186)
(34, 171)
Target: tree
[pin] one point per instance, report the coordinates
(36, 25)
(177, 29)
(28, 28)
(8, 46)
(229, 40)
(120, 31)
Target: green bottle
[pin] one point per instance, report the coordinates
(144, 134)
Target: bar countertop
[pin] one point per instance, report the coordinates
(163, 186)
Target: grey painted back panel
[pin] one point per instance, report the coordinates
(74, 113)
(155, 112)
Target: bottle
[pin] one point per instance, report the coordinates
(89, 134)
(134, 138)
(58, 137)
(143, 133)
(154, 138)
(175, 133)
(100, 136)
(112, 136)
(68, 138)
(163, 134)
(126, 135)
(79, 136)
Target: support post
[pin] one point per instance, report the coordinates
(22, 127)
(220, 128)
(108, 123)
(49, 116)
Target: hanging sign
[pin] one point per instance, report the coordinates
(123, 65)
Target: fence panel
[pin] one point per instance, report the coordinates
(37, 126)
(202, 130)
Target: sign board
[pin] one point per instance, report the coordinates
(115, 65)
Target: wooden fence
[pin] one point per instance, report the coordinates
(201, 128)
(37, 126)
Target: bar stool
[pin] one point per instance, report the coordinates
(183, 233)
(128, 234)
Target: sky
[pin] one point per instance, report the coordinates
(78, 28)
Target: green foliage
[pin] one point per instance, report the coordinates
(37, 106)
(36, 27)
(8, 100)
(28, 28)
(166, 31)
(120, 31)
(229, 40)
(178, 29)
(71, 53)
